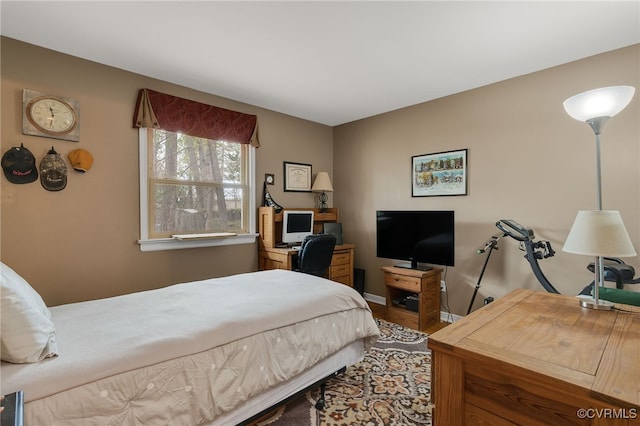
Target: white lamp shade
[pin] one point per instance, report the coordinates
(322, 183)
(599, 233)
(603, 102)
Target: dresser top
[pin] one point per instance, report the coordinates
(552, 336)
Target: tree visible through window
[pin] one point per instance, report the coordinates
(196, 185)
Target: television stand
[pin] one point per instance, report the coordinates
(416, 267)
(402, 282)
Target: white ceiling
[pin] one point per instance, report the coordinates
(330, 62)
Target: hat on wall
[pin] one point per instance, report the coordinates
(19, 165)
(53, 171)
(81, 160)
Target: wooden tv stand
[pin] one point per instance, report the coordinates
(270, 256)
(424, 284)
(534, 358)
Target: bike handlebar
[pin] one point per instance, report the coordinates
(516, 231)
(525, 235)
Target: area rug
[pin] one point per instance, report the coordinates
(391, 386)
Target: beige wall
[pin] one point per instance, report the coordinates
(528, 161)
(80, 243)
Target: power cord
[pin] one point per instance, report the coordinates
(626, 311)
(444, 297)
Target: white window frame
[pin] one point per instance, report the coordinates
(157, 244)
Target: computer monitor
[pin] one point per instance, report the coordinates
(296, 225)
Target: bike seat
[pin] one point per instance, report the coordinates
(620, 273)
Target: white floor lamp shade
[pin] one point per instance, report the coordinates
(602, 102)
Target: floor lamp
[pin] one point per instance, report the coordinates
(596, 107)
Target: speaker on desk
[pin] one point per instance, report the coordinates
(358, 280)
(335, 229)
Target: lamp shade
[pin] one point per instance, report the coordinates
(603, 102)
(322, 183)
(599, 233)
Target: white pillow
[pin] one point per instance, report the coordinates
(27, 332)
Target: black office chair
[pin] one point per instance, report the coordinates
(315, 254)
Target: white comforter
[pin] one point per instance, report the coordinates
(103, 338)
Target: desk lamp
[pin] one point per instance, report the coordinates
(322, 184)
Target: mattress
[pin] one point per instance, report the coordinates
(190, 353)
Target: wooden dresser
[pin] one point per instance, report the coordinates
(533, 358)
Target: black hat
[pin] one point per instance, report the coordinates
(53, 171)
(19, 165)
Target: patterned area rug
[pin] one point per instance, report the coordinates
(391, 386)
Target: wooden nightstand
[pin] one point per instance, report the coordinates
(424, 285)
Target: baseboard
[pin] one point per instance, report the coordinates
(444, 316)
(374, 298)
(447, 317)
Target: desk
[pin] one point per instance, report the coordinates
(534, 358)
(341, 269)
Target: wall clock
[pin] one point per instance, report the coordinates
(50, 116)
(269, 178)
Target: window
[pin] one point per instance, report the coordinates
(193, 185)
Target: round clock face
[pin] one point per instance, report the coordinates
(51, 115)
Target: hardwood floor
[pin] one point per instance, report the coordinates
(380, 311)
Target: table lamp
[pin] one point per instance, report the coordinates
(323, 185)
(598, 233)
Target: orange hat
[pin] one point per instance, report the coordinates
(81, 160)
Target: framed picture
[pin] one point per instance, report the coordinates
(297, 177)
(441, 173)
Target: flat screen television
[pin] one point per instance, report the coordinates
(296, 225)
(417, 236)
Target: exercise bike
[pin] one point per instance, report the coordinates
(614, 269)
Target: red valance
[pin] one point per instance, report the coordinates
(161, 111)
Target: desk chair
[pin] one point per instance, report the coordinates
(315, 254)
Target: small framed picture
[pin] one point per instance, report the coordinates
(440, 173)
(297, 177)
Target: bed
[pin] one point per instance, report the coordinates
(210, 352)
